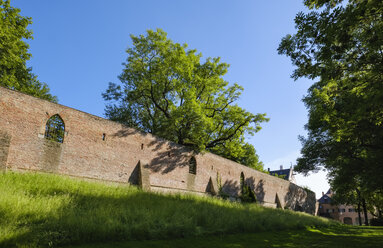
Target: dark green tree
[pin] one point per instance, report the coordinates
(167, 91)
(349, 191)
(14, 74)
(340, 46)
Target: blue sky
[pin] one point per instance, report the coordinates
(78, 47)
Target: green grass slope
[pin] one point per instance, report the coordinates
(39, 209)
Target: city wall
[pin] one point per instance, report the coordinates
(97, 148)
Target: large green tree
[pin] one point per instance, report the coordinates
(166, 90)
(340, 46)
(14, 73)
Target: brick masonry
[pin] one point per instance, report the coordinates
(97, 148)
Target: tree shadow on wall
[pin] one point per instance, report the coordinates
(134, 178)
(170, 159)
(231, 188)
(293, 198)
(250, 181)
(167, 155)
(127, 131)
(298, 199)
(156, 144)
(260, 191)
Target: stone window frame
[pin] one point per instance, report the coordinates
(55, 129)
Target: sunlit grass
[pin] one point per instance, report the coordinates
(47, 210)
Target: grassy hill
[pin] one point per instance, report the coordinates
(39, 209)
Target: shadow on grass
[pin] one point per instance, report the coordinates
(342, 236)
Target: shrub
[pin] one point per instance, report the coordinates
(377, 222)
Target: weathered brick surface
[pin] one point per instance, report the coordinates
(117, 158)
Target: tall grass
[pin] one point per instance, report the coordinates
(48, 210)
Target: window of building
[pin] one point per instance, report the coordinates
(347, 220)
(55, 129)
(351, 210)
(193, 166)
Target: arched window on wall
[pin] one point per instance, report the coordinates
(55, 129)
(193, 165)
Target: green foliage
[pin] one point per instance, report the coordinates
(14, 74)
(320, 3)
(341, 47)
(167, 91)
(222, 194)
(245, 154)
(377, 222)
(247, 194)
(50, 210)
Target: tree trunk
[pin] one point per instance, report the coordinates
(360, 217)
(365, 211)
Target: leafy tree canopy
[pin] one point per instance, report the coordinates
(14, 74)
(166, 90)
(341, 47)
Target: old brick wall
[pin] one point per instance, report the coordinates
(100, 149)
